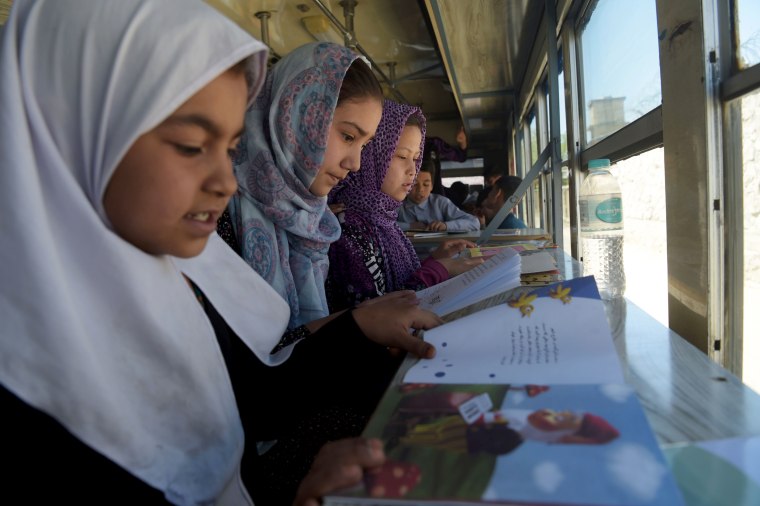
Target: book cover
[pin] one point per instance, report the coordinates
(514, 444)
(551, 334)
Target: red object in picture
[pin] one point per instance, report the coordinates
(534, 390)
(392, 479)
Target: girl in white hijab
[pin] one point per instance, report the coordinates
(117, 121)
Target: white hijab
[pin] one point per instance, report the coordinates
(105, 338)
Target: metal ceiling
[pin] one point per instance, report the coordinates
(457, 59)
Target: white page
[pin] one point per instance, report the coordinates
(537, 261)
(499, 273)
(556, 343)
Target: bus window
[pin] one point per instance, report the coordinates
(749, 33)
(620, 65)
(750, 116)
(642, 185)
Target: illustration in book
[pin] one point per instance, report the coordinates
(525, 444)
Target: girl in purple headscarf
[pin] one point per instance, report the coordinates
(373, 256)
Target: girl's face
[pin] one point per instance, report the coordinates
(175, 181)
(400, 176)
(353, 126)
(422, 188)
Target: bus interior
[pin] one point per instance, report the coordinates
(665, 89)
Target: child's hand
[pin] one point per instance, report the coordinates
(449, 248)
(388, 321)
(337, 208)
(456, 266)
(437, 226)
(406, 295)
(461, 138)
(338, 465)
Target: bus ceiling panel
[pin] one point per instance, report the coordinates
(453, 58)
(394, 34)
(480, 43)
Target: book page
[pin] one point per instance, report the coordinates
(499, 273)
(553, 334)
(537, 261)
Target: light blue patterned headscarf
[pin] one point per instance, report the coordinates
(285, 231)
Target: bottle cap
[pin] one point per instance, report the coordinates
(599, 163)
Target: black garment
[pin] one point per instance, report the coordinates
(46, 464)
(324, 392)
(226, 231)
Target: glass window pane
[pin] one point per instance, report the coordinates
(563, 153)
(533, 140)
(620, 65)
(567, 240)
(749, 32)
(750, 106)
(537, 218)
(645, 236)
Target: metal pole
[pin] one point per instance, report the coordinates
(348, 13)
(360, 49)
(392, 72)
(263, 17)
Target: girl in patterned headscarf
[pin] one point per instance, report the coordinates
(373, 256)
(319, 107)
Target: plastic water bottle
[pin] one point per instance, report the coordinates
(601, 216)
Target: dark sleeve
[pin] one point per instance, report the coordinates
(346, 284)
(430, 273)
(335, 366)
(227, 232)
(46, 464)
(325, 391)
(446, 151)
(339, 364)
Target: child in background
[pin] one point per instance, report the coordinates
(502, 189)
(115, 382)
(423, 210)
(373, 256)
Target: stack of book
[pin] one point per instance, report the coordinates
(499, 274)
(538, 266)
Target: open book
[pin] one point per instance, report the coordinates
(550, 334)
(499, 273)
(524, 404)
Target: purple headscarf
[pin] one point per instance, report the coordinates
(371, 209)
